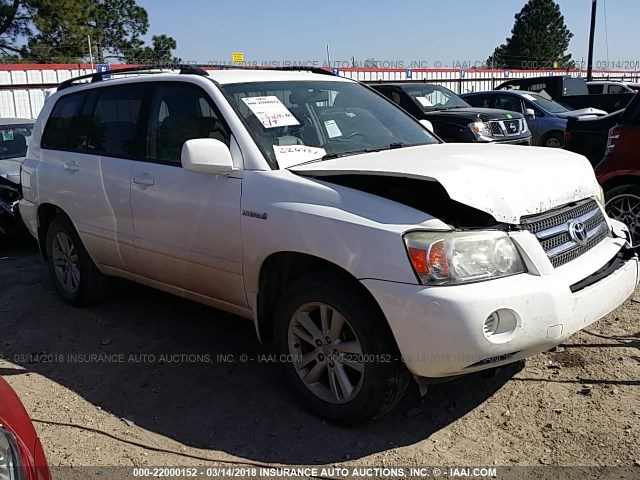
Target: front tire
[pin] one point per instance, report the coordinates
(342, 362)
(75, 277)
(623, 204)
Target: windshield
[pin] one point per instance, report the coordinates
(297, 121)
(434, 97)
(546, 104)
(14, 140)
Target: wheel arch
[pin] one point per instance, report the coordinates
(621, 180)
(280, 270)
(548, 134)
(47, 212)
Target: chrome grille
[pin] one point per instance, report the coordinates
(506, 128)
(512, 127)
(495, 129)
(552, 230)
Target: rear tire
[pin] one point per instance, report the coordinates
(553, 140)
(344, 364)
(75, 277)
(623, 204)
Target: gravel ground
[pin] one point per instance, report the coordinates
(159, 382)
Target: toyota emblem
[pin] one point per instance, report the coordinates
(578, 232)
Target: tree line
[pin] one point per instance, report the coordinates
(59, 31)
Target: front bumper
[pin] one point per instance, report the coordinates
(439, 330)
(518, 141)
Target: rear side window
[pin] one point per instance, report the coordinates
(115, 121)
(595, 89)
(617, 89)
(58, 132)
(631, 116)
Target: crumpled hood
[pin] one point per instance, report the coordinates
(507, 182)
(583, 113)
(10, 169)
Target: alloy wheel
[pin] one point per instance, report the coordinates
(326, 353)
(626, 209)
(65, 262)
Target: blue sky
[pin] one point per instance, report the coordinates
(408, 30)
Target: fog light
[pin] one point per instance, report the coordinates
(491, 324)
(501, 325)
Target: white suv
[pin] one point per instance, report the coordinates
(365, 249)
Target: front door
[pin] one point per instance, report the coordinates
(186, 224)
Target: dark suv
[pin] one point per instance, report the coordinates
(453, 119)
(619, 171)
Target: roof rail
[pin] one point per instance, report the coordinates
(290, 68)
(185, 69)
(141, 69)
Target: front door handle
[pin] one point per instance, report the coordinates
(145, 181)
(71, 166)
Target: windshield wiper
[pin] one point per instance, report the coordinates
(333, 156)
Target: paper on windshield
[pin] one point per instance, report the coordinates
(332, 129)
(424, 101)
(7, 135)
(290, 155)
(270, 111)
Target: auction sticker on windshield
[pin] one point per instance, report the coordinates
(290, 155)
(270, 111)
(424, 101)
(7, 135)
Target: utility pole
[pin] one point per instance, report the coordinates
(90, 52)
(592, 34)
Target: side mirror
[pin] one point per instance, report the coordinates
(530, 113)
(207, 155)
(427, 124)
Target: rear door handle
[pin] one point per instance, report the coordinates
(143, 180)
(71, 166)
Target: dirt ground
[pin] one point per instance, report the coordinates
(159, 381)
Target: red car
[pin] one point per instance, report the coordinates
(21, 454)
(619, 171)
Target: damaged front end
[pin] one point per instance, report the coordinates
(10, 195)
(427, 196)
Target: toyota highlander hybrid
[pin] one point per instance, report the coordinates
(364, 249)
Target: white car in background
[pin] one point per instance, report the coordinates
(15, 135)
(365, 249)
(608, 86)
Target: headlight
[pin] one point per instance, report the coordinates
(480, 129)
(449, 258)
(10, 468)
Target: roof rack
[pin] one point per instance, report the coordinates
(140, 69)
(185, 69)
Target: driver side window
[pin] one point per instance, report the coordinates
(181, 112)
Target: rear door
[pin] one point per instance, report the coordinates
(88, 144)
(187, 224)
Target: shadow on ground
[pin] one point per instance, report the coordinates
(242, 408)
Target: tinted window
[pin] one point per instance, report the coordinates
(58, 132)
(595, 88)
(631, 116)
(575, 86)
(114, 124)
(181, 112)
(508, 102)
(617, 89)
(481, 101)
